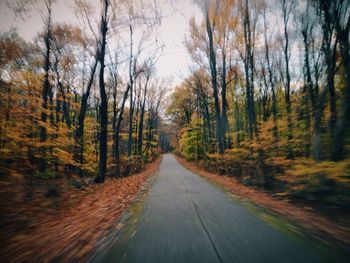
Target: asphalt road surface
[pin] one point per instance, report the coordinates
(186, 219)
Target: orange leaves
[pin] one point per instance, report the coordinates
(68, 227)
(64, 157)
(10, 46)
(67, 33)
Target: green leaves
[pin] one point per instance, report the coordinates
(192, 141)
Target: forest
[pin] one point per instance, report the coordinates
(268, 97)
(105, 135)
(81, 126)
(71, 103)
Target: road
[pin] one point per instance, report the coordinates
(186, 219)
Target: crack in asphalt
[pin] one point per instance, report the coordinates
(207, 231)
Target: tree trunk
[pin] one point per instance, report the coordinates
(131, 83)
(331, 61)
(45, 92)
(330, 21)
(79, 132)
(316, 141)
(287, 99)
(272, 85)
(117, 132)
(104, 104)
(114, 120)
(223, 97)
(140, 131)
(343, 122)
(212, 59)
(142, 113)
(248, 60)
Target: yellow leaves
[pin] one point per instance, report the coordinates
(338, 171)
(21, 123)
(64, 157)
(303, 172)
(279, 161)
(191, 142)
(124, 135)
(32, 80)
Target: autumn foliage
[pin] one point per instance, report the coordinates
(50, 107)
(269, 104)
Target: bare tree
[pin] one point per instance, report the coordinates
(103, 96)
(287, 7)
(46, 83)
(207, 9)
(271, 80)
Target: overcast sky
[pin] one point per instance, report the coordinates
(174, 62)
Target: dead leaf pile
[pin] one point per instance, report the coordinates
(67, 227)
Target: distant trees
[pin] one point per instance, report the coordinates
(282, 62)
(210, 41)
